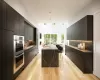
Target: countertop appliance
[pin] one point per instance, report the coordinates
(18, 52)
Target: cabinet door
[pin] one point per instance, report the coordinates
(73, 32)
(25, 30)
(35, 35)
(4, 15)
(90, 27)
(14, 21)
(21, 25)
(0, 14)
(75, 57)
(16, 27)
(29, 35)
(83, 29)
(29, 54)
(0, 54)
(11, 18)
(69, 32)
(7, 55)
(77, 31)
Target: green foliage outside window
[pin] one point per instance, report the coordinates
(50, 38)
(62, 38)
(47, 38)
(53, 38)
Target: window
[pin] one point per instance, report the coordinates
(53, 38)
(47, 38)
(50, 38)
(62, 38)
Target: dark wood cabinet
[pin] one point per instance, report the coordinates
(0, 54)
(81, 30)
(7, 55)
(21, 25)
(29, 31)
(0, 14)
(30, 54)
(12, 20)
(11, 23)
(83, 60)
(0, 36)
(35, 36)
(9, 17)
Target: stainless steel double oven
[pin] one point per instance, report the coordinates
(18, 52)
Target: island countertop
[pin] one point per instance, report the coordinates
(50, 47)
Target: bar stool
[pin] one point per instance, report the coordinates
(60, 49)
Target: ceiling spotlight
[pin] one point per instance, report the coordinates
(44, 23)
(49, 12)
(54, 24)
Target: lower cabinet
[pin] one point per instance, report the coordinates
(0, 54)
(84, 61)
(29, 55)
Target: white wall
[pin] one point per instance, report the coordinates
(92, 9)
(97, 44)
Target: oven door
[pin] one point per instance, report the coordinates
(18, 62)
(19, 46)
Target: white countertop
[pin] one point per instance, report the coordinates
(50, 47)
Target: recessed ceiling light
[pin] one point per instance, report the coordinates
(44, 23)
(49, 12)
(54, 24)
(63, 24)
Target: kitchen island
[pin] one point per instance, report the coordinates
(50, 56)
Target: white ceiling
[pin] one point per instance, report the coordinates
(39, 10)
(61, 10)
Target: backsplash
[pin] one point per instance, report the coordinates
(88, 45)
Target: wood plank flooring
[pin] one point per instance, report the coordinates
(66, 71)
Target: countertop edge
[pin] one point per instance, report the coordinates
(86, 51)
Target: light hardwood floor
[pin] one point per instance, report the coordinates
(66, 71)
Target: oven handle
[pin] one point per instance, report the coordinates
(19, 55)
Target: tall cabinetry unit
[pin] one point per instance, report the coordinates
(0, 39)
(11, 23)
(6, 43)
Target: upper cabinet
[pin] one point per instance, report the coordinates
(29, 31)
(81, 30)
(12, 20)
(0, 14)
